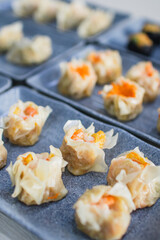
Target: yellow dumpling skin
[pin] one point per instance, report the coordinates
(38, 177)
(83, 148)
(103, 212)
(140, 175)
(3, 152)
(24, 123)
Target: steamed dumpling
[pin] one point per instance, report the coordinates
(9, 35)
(158, 122)
(139, 173)
(123, 99)
(46, 11)
(147, 77)
(31, 51)
(3, 152)
(70, 15)
(78, 79)
(107, 65)
(25, 8)
(24, 122)
(38, 177)
(83, 148)
(104, 212)
(96, 22)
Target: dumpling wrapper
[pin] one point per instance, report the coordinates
(70, 15)
(25, 8)
(96, 22)
(38, 177)
(104, 211)
(47, 11)
(123, 99)
(3, 152)
(30, 51)
(147, 77)
(24, 128)
(107, 65)
(140, 175)
(86, 154)
(10, 34)
(78, 79)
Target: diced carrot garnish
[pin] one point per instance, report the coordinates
(100, 92)
(53, 197)
(27, 159)
(124, 89)
(136, 158)
(17, 111)
(149, 69)
(94, 58)
(30, 111)
(99, 137)
(106, 199)
(50, 156)
(78, 135)
(83, 71)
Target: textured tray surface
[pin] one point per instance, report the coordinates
(143, 126)
(5, 83)
(55, 221)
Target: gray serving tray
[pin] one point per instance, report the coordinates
(55, 221)
(119, 36)
(60, 42)
(143, 126)
(5, 83)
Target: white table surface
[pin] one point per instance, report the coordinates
(139, 8)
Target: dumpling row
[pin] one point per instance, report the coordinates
(68, 15)
(123, 96)
(22, 50)
(104, 211)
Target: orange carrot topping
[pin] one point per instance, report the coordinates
(53, 197)
(27, 159)
(83, 71)
(94, 58)
(149, 69)
(124, 89)
(106, 199)
(50, 156)
(30, 111)
(100, 92)
(78, 135)
(136, 158)
(99, 137)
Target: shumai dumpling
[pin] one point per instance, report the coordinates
(3, 152)
(158, 123)
(9, 35)
(46, 11)
(96, 22)
(107, 65)
(30, 51)
(25, 8)
(104, 212)
(123, 99)
(70, 15)
(139, 173)
(78, 79)
(147, 77)
(24, 123)
(38, 177)
(83, 148)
